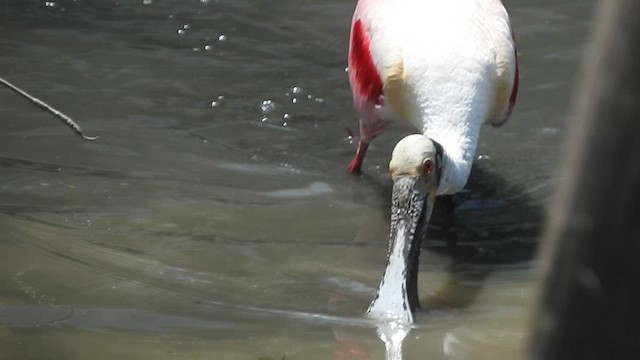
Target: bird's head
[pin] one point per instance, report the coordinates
(418, 159)
(415, 169)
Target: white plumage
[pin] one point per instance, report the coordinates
(447, 67)
(444, 68)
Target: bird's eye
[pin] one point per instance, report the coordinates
(428, 166)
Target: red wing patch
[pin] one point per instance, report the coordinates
(514, 91)
(516, 78)
(367, 82)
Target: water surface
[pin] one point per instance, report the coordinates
(214, 219)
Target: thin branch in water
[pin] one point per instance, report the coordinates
(349, 133)
(41, 104)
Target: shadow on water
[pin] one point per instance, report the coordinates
(496, 226)
(489, 235)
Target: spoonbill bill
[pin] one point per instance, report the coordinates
(443, 68)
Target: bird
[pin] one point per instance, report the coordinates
(443, 69)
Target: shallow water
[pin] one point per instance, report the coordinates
(208, 222)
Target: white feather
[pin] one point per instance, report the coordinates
(458, 60)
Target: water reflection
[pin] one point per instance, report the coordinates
(461, 318)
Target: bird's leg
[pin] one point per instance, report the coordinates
(448, 207)
(355, 166)
(448, 219)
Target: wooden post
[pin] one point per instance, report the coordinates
(590, 301)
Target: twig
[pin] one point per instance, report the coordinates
(41, 104)
(350, 133)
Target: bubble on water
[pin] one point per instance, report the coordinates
(208, 47)
(222, 38)
(147, 2)
(50, 4)
(196, 49)
(264, 119)
(171, 16)
(320, 100)
(346, 69)
(186, 26)
(267, 106)
(294, 100)
(181, 32)
(284, 124)
(220, 97)
(483, 157)
(214, 104)
(286, 116)
(297, 90)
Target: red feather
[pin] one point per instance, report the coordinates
(367, 82)
(514, 90)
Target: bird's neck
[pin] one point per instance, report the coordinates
(453, 119)
(456, 167)
(450, 101)
(458, 141)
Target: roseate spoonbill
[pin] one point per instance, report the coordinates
(444, 68)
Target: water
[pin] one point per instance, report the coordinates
(203, 225)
